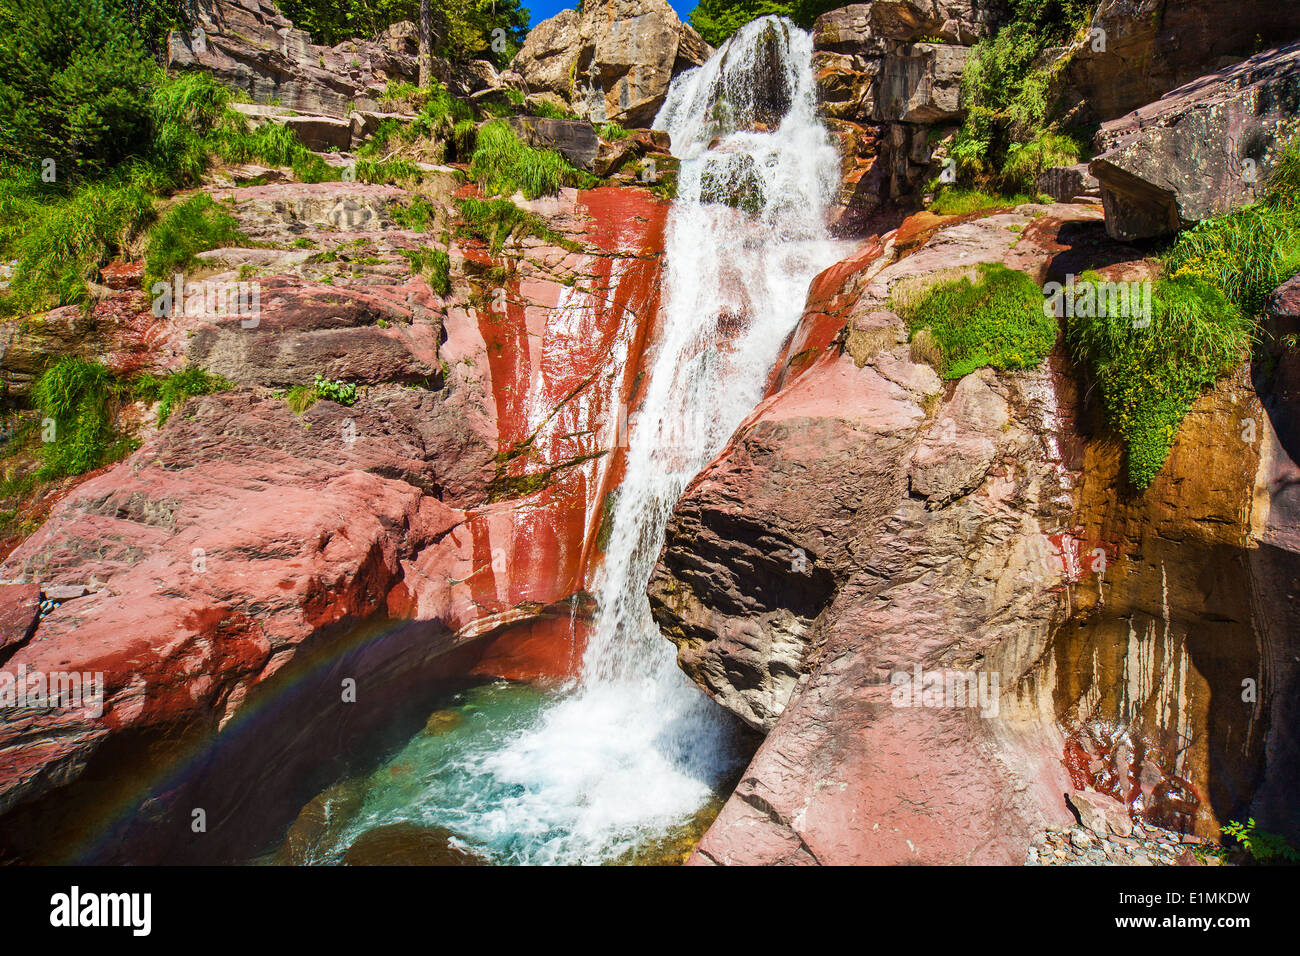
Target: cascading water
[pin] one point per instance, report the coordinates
(634, 748)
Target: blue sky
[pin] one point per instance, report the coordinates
(544, 9)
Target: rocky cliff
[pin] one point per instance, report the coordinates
(869, 521)
(446, 520)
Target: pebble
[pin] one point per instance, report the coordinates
(1077, 846)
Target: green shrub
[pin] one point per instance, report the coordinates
(79, 397)
(171, 390)
(1150, 377)
(1009, 135)
(717, 20)
(194, 226)
(996, 321)
(503, 164)
(74, 87)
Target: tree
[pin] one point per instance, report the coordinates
(717, 20)
(75, 83)
(462, 29)
(426, 45)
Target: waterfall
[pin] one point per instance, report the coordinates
(635, 748)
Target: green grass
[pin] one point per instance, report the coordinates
(1218, 277)
(996, 321)
(60, 243)
(61, 233)
(172, 390)
(78, 399)
(387, 172)
(444, 120)
(548, 111)
(613, 132)
(418, 216)
(502, 164)
(193, 226)
(1250, 251)
(302, 397)
(271, 144)
(958, 201)
(497, 220)
(434, 265)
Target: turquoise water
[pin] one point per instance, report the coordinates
(477, 776)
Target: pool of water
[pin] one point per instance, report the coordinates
(507, 773)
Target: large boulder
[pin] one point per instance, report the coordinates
(921, 83)
(613, 60)
(251, 46)
(1148, 47)
(575, 140)
(1200, 150)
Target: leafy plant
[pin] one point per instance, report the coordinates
(1263, 847)
(343, 393)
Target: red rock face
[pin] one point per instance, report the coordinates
(868, 519)
(242, 535)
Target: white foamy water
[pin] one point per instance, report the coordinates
(635, 748)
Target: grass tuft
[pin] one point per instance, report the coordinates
(998, 321)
